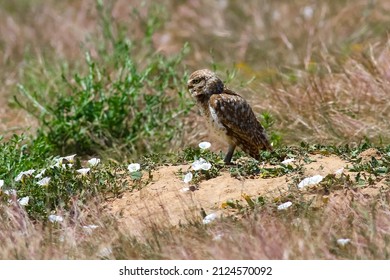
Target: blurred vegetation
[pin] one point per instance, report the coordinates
(126, 103)
(107, 79)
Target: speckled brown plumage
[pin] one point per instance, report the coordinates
(228, 114)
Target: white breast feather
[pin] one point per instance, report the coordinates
(216, 123)
(217, 127)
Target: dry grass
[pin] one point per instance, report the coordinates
(265, 234)
(340, 106)
(335, 53)
(321, 68)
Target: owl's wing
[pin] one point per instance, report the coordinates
(235, 114)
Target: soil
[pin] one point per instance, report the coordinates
(163, 200)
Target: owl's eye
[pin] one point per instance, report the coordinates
(196, 81)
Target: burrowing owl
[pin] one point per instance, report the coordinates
(228, 114)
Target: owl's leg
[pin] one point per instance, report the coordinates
(229, 154)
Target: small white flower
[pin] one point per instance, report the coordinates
(308, 12)
(287, 161)
(93, 161)
(310, 181)
(204, 145)
(24, 173)
(133, 167)
(105, 252)
(70, 158)
(40, 174)
(55, 218)
(339, 171)
(285, 205)
(218, 236)
(276, 16)
(209, 218)
(10, 192)
(187, 177)
(24, 200)
(58, 160)
(44, 182)
(1, 183)
(29, 172)
(343, 241)
(58, 164)
(197, 164)
(206, 166)
(185, 189)
(201, 164)
(90, 228)
(83, 171)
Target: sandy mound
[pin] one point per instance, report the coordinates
(163, 199)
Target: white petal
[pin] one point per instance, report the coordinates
(90, 228)
(1, 183)
(70, 158)
(29, 172)
(55, 218)
(93, 161)
(218, 236)
(40, 174)
(204, 145)
(209, 218)
(19, 176)
(133, 167)
(287, 161)
(310, 181)
(44, 182)
(10, 192)
(206, 166)
(339, 171)
(185, 189)
(105, 252)
(58, 164)
(83, 171)
(308, 12)
(343, 241)
(285, 205)
(24, 173)
(198, 164)
(24, 200)
(188, 177)
(58, 160)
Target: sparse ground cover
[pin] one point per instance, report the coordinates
(106, 81)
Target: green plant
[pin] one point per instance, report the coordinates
(58, 183)
(205, 164)
(267, 121)
(19, 154)
(129, 101)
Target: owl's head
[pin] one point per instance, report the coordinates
(204, 82)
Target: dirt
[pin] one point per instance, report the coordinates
(368, 154)
(163, 200)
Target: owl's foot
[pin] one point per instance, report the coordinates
(229, 155)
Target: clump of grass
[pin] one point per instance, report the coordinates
(19, 154)
(54, 183)
(122, 104)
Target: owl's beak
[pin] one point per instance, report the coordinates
(191, 90)
(195, 94)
